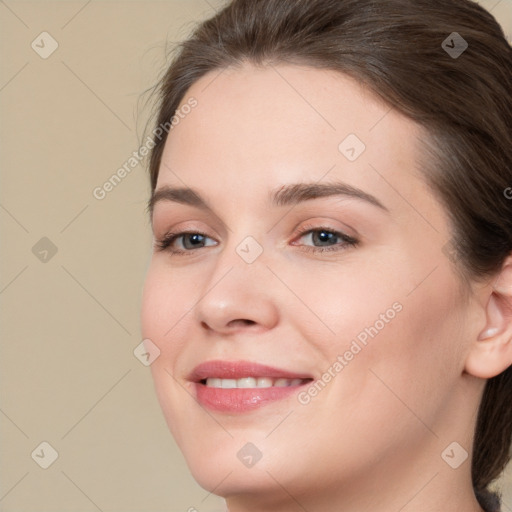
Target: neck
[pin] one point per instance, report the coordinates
(426, 484)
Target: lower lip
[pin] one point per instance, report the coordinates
(241, 399)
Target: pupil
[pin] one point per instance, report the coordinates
(325, 236)
(194, 238)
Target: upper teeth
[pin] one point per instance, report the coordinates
(252, 382)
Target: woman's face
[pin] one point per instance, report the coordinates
(319, 252)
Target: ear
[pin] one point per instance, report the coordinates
(491, 353)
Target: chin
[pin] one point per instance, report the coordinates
(228, 479)
(225, 468)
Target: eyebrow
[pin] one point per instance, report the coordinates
(287, 195)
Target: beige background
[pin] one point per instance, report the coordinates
(70, 323)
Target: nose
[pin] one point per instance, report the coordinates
(238, 296)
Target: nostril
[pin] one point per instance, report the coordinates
(233, 323)
(242, 321)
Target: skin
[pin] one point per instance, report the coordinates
(372, 438)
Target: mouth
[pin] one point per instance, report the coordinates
(239, 386)
(245, 374)
(252, 382)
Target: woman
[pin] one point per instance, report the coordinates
(331, 284)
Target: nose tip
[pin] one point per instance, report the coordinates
(234, 303)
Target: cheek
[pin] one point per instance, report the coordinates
(161, 309)
(340, 305)
(164, 307)
(414, 362)
(163, 301)
(391, 341)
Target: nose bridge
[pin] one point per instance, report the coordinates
(242, 262)
(237, 286)
(245, 240)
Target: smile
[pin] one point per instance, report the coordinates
(241, 386)
(252, 382)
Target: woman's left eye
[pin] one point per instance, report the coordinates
(329, 240)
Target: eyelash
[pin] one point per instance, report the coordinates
(165, 243)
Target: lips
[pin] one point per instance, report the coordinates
(241, 369)
(216, 385)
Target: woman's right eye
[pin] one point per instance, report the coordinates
(193, 239)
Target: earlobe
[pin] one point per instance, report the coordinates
(491, 352)
(488, 333)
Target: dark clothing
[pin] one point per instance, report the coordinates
(489, 501)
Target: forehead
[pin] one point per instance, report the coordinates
(255, 128)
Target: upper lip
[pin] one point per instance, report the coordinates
(239, 369)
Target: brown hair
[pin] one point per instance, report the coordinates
(395, 48)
